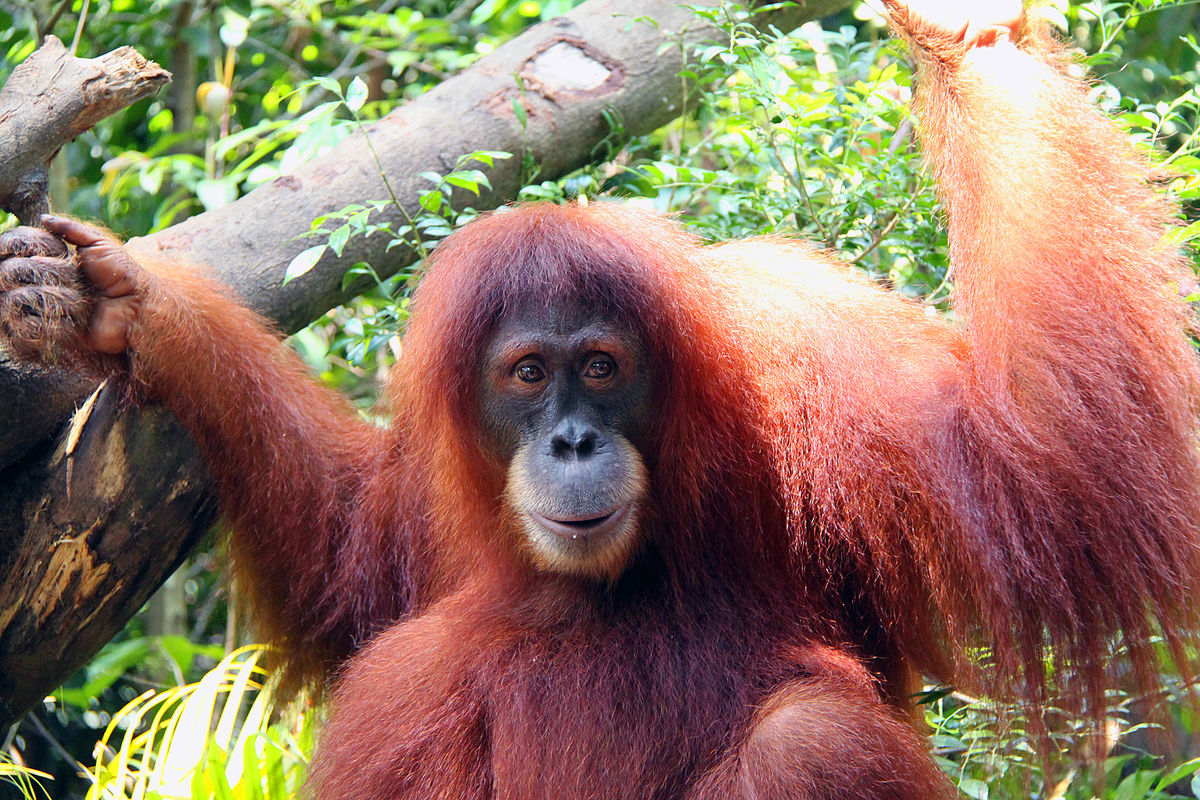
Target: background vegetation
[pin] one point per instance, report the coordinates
(804, 133)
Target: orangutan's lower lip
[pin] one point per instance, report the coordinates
(586, 528)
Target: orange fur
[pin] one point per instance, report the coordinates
(839, 487)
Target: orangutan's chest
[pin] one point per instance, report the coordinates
(613, 722)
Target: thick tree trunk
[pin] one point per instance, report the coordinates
(54, 576)
(603, 57)
(87, 533)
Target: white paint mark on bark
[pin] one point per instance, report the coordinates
(565, 66)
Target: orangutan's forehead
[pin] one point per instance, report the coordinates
(558, 315)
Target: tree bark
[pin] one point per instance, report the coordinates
(87, 533)
(602, 57)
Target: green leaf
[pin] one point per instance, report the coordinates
(978, 790)
(1179, 773)
(459, 180)
(485, 157)
(179, 650)
(470, 180)
(113, 661)
(432, 201)
(329, 85)
(356, 94)
(302, 263)
(944, 741)
(214, 770)
(216, 192)
(338, 239)
(1177, 236)
(484, 11)
(1137, 785)
(355, 272)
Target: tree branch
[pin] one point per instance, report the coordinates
(51, 98)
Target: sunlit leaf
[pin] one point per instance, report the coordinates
(303, 262)
(356, 94)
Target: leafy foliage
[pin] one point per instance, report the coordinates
(212, 738)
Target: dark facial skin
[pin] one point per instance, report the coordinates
(565, 402)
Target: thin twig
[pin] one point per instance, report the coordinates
(795, 179)
(171, 663)
(933, 296)
(205, 614)
(891, 224)
(83, 12)
(48, 26)
(264, 47)
(902, 135)
(54, 743)
(462, 11)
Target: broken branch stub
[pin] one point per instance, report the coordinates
(51, 98)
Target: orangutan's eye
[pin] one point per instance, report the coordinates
(600, 368)
(528, 372)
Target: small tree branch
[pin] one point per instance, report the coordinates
(47, 26)
(51, 98)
